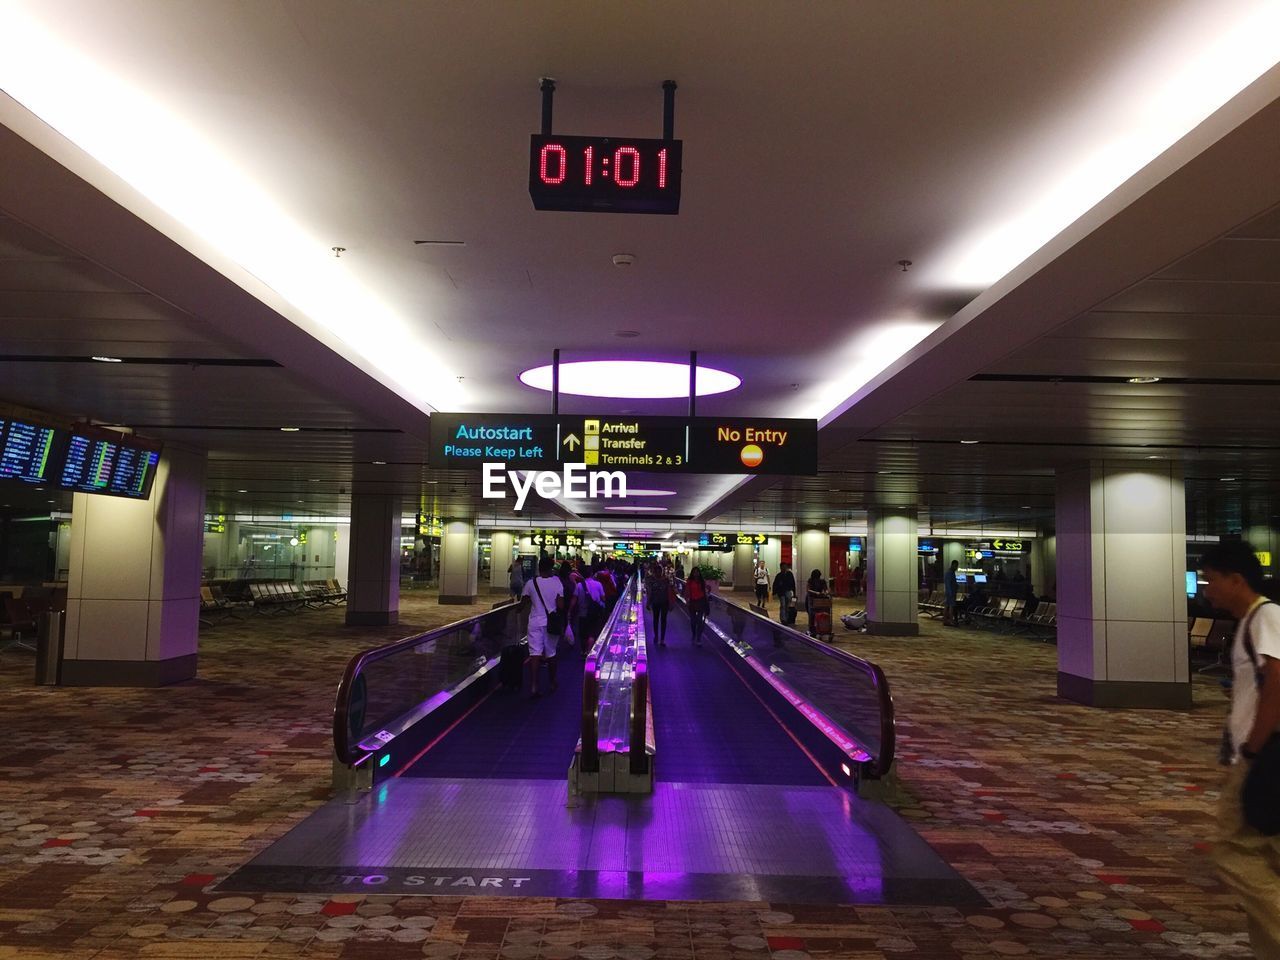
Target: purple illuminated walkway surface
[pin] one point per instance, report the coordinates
(696, 841)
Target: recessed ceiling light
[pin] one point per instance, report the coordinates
(379, 463)
(1227, 479)
(651, 493)
(1153, 457)
(1026, 508)
(627, 334)
(970, 441)
(107, 359)
(631, 379)
(636, 509)
(290, 429)
(432, 483)
(1144, 379)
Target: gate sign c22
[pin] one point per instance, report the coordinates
(1014, 546)
(712, 445)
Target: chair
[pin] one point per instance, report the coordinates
(1218, 642)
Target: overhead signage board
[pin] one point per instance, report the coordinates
(26, 451)
(626, 443)
(741, 539)
(474, 439)
(604, 174)
(1015, 546)
(713, 445)
(556, 538)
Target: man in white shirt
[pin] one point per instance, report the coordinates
(1248, 860)
(545, 594)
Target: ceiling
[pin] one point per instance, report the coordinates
(819, 151)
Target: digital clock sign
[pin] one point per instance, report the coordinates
(604, 174)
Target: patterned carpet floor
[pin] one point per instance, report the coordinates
(119, 809)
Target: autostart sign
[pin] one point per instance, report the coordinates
(716, 445)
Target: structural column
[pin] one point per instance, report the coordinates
(502, 551)
(812, 551)
(893, 590)
(1122, 615)
(133, 590)
(459, 563)
(373, 561)
(744, 567)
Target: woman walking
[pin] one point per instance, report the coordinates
(695, 595)
(658, 590)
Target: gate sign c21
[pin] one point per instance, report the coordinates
(713, 445)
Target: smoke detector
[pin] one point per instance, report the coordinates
(623, 259)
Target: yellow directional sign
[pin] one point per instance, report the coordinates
(556, 538)
(1006, 544)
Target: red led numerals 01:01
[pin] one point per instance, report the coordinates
(553, 166)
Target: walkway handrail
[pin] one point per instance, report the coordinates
(590, 760)
(346, 741)
(880, 761)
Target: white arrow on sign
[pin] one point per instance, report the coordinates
(572, 441)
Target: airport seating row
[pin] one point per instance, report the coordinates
(1211, 643)
(324, 593)
(1012, 614)
(268, 597)
(933, 604)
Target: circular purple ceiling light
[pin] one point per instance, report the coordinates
(631, 379)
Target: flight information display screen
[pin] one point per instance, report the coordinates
(26, 451)
(115, 467)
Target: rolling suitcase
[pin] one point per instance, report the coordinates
(511, 666)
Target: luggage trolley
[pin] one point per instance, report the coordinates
(820, 624)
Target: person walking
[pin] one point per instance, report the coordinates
(856, 580)
(545, 594)
(762, 584)
(949, 587)
(568, 579)
(658, 590)
(595, 607)
(695, 595)
(784, 591)
(515, 579)
(1247, 859)
(814, 588)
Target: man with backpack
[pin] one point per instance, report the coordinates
(1247, 851)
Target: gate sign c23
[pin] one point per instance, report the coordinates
(574, 482)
